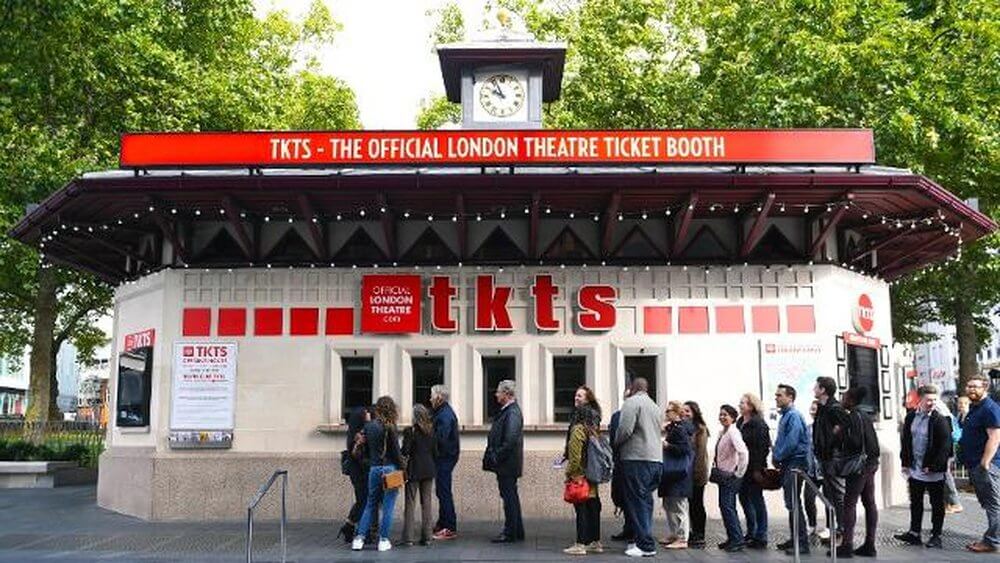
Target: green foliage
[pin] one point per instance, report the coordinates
(86, 454)
(437, 112)
(449, 26)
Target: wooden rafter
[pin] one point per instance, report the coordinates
(610, 220)
(388, 228)
(831, 224)
(73, 258)
(533, 222)
(892, 238)
(233, 210)
(117, 249)
(917, 258)
(757, 229)
(308, 211)
(169, 229)
(462, 227)
(684, 224)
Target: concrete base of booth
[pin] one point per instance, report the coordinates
(215, 486)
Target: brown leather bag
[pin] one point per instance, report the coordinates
(393, 479)
(768, 479)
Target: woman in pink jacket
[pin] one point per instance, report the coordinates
(731, 459)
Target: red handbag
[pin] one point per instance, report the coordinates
(576, 491)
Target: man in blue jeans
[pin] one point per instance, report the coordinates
(791, 451)
(640, 445)
(446, 433)
(979, 446)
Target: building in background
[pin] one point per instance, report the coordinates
(92, 399)
(936, 361)
(13, 388)
(68, 376)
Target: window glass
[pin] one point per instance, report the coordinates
(358, 383)
(495, 370)
(642, 366)
(862, 369)
(427, 372)
(569, 373)
(135, 372)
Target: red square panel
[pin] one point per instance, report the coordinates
(657, 320)
(692, 320)
(232, 322)
(197, 322)
(729, 320)
(305, 322)
(267, 321)
(339, 321)
(765, 319)
(801, 318)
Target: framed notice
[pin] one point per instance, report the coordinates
(795, 363)
(204, 388)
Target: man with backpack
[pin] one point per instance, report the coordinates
(860, 439)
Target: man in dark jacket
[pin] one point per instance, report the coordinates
(925, 448)
(828, 427)
(860, 485)
(446, 432)
(617, 478)
(505, 456)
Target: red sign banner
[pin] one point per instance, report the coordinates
(142, 339)
(861, 340)
(864, 314)
(390, 304)
(511, 147)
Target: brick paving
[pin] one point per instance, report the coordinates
(65, 524)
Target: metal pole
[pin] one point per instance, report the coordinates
(284, 484)
(832, 515)
(249, 535)
(795, 521)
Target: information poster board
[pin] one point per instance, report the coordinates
(390, 304)
(792, 363)
(204, 388)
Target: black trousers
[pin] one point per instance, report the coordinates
(696, 513)
(935, 490)
(359, 480)
(588, 521)
(513, 526)
(862, 486)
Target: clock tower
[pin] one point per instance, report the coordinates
(501, 77)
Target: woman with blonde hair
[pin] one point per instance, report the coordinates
(676, 480)
(381, 447)
(420, 450)
(757, 438)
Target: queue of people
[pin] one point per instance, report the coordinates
(649, 452)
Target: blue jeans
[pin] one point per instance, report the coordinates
(793, 502)
(376, 494)
(446, 502)
(987, 485)
(641, 479)
(754, 509)
(727, 506)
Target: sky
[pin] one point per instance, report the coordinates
(384, 53)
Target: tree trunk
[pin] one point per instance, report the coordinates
(41, 347)
(968, 345)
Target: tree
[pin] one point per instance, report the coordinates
(922, 75)
(74, 74)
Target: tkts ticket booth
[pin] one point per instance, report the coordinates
(268, 282)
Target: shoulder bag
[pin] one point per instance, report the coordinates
(576, 491)
(392, 479)
(845, 464)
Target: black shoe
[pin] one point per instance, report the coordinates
(734, 548)
(696, 544)
(845, 552)
(724, 544)
(909, 538)
(425, 543)
(784, 545)
(502, 539)
(866, 550)
(757, 544)
(347, 532)
(621, 536)
(935, 541)
(803, 550)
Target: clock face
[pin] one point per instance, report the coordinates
(501, 95)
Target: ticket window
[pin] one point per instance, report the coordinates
(495, 370)
(862, 371)
(427, 372)
(358, 383)
(568, 373)
(642, 366)
(135, 373)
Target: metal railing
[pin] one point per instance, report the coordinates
(800, 476)
(256, 500)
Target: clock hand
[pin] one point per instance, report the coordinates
(496, 88)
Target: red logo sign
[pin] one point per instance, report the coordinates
(188, 351)
(864, 314)
(353, 148)
(140, 340)
(390, 304)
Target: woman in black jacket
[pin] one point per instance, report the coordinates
(419, 449)
(381, 447)
(357, 470)
(758, 440)
(925, 449)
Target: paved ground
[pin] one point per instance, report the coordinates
(66, 525)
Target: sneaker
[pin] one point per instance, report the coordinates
(629, 545)
(358, 544)
(845, 552)
(677, 544)
(953, 508)
(866, 550)
(909, 538)
(934, 542)
(384, 544)
(803, 550)
(575, 549)
(784, 545)
(634, 551)
(981, 547)
(734, 548)
(620, 536)
(823, 533)
(594, 547)
(445, 534)
(756, 544)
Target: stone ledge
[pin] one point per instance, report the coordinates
(44, 474)
(34, 466)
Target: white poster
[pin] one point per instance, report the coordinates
(792, 363)
(204, 386)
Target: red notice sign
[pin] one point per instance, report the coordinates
(390, 304)
(139, 340)
(525, 147)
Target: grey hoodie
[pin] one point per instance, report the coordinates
(638, 435)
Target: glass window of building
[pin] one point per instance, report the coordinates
(135, 369)
(569, 373)
(862, 370)
(358, 383)
(642, 366)
(495, 370)
(427, 372)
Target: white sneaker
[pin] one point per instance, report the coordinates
(629, 546)
(634, 551)
(384, 544)
(358, 544)
(823, 533)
